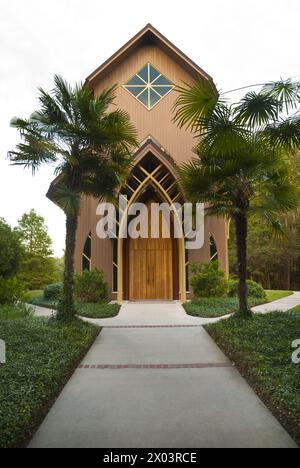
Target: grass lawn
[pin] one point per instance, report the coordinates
(89, 310)
(215, 306)
(30, 295)
(275, 295)
(41, 356)
(262, 349)
(296, 309)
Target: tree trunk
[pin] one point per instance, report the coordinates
(241, 227)
(288, 276)
(66, 310)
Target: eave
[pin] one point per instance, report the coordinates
(148, 35)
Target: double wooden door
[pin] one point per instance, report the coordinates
(150, 269)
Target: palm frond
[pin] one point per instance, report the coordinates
(287, 93)
(257, 109)
(67, 199)
(283, 135)
(194, 102)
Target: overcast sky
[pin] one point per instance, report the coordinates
(237, 42)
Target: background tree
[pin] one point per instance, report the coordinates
(242, 166)
(34, 234)
(11, 250)
(38, 267)
(90, 145)
(272, 261)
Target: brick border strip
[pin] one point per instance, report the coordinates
(150, 326)
(202, 365)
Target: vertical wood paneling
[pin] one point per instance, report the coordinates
(179, 143)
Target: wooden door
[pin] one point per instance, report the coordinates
(150, 269)
(151, 263)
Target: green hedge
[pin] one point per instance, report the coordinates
(254, 289)
(90, 286)
(11, 290)
(53, 291)
(208, 280)
(41, 356)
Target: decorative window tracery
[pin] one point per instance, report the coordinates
(149, 86)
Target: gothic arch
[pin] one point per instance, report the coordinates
(152, 168)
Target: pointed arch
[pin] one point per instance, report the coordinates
(152, 168)
(87, 253)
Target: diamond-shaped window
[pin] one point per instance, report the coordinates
(149, 86)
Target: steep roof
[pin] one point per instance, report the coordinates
(148, 35)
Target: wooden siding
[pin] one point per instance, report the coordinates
(158, 123)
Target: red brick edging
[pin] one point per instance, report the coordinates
(203, 365)
(150, 326)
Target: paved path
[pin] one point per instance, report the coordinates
(169, 313)
(285, 304)
(146, 384)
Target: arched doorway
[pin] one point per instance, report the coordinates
(152, 268)
(150, 263)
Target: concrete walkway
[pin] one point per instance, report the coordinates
(283, 305)
(154, 378)
(169, 313)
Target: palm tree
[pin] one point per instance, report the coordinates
(90, 146)
(242, 167)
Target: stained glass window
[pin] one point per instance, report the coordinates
(149, 86)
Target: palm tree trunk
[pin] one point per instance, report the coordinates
(66, 310)
(241, 228)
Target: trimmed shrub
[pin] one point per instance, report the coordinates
(254, 289)
(53, 291)
(90, 286)
(11, 291)
(208, 280)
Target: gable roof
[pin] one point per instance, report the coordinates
(148, 35)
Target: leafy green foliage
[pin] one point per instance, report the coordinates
(9, 312)
(30, 295)
(33, 234)
(41, 355)
(11, 291)
(195, 102)
(208, 280)
(90, 145)
(84, 309)
(97, 310)
(243, 165)
(261, 350)
(210, 307)
(38, 267)
(11, 250)
(53, 291)
(273, 261)
(254, 289)
(36, 272)
(90, 286)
